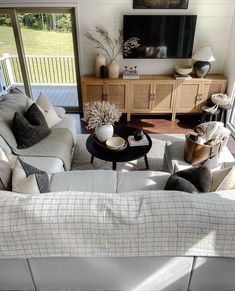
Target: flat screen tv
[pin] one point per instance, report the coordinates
(158, 36)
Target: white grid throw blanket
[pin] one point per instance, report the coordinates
(146, 223)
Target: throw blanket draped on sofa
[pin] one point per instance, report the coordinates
(150, 223)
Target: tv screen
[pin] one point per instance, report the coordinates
(158, 36)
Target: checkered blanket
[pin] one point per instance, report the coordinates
(150, 223)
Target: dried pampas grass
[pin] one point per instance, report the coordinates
(100, 113)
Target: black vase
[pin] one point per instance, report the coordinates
(104, 72)
(201, 68)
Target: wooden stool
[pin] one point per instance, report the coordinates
(224, 109)
(209, 116)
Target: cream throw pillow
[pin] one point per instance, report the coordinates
(223, 179)
(48, 110)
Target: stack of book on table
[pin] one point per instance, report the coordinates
(133, 143)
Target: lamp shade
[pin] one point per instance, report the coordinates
(204, 54)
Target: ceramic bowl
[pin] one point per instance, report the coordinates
(115, 142)
(183, 69)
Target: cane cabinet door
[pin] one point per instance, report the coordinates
(189, 93)
(116, 93)
(163, 97)
(93, 91)
(141, 96)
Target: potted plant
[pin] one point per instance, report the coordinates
(101, 116)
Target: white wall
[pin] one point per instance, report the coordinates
(214, 25)
(213, 28)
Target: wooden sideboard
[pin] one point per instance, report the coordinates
(153, 94)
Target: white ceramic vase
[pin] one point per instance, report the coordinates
(113, 70)
(99, 61)
(104, 132)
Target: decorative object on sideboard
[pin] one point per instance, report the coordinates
(101, 116)
(183, 70)
(112, 46)
(113, 70)
(99, 62)
(131, 73)
(159, 4)
(103, 72)
(204, 56)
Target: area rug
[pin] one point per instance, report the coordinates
(81, 158)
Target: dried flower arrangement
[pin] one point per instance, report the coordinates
(100, 113)
(112, 46)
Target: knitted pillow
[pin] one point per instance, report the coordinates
(30, 128)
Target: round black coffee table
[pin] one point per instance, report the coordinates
(126, 155)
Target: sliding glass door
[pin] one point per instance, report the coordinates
(49, 48)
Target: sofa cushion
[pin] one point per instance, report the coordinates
(48, 110)
(193, 180)
(141, 180)
(88, 181)
(28, 179)
(30, 128)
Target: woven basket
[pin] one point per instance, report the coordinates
(220, 99)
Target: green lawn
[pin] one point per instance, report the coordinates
(37, 42)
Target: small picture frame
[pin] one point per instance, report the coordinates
(160, 4)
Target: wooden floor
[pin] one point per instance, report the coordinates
(63, 95)
(158, 124)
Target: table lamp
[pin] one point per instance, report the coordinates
(203, 57)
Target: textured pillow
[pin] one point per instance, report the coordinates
(48, 110)
(28, 179)
(30, 128)
(5, 175)
(223, 179)
(193, 180)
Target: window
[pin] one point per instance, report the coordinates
(47, 58)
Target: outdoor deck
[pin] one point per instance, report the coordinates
(59, 95)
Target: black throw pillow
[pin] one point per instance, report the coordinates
(196, 179)
(30, 128)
